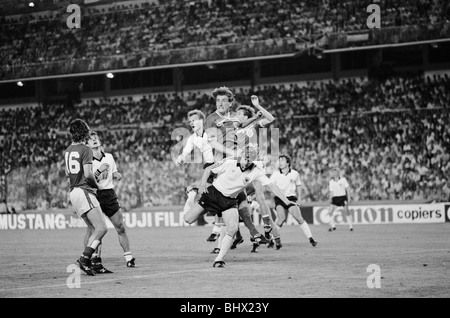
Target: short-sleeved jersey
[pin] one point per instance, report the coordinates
(248, 136)
(339, 187)
(232, 179)
(222, 129)
(75, 157)
(105, 179)
(200, 142)
(287, 182)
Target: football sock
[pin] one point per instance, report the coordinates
(88, 251)
(223, 232)
(128, 256)
(305, 228)
(224, 247)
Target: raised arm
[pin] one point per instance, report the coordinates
(267, 117)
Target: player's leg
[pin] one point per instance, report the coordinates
(330, 214)
(350, 219)
(231, 218)
(88, 208)
(271, 230)
(215, 232)
(297, 215)
(124, 241)
(194, 213)
(221, 235)
(96, 260)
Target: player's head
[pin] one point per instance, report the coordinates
(224, 99)
(244, 112)
(284, 161)
(94, 141)
(335, 172)
(248, 156)
(79, 130)
(196, 119)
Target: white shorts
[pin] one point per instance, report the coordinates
(83, 201)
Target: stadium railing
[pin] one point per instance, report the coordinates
(386, 36)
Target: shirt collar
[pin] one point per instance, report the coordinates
(103, 156)
(281, 171)
(250, 167)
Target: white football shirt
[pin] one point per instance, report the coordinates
(201, 142)
(287, 182)
(231, 180)
(105, 179)
(338, 188)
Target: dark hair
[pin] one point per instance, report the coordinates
(248, 111)
(79, 130)
(223, 91)
(288, 159)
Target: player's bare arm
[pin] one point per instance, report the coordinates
(89, 175)
(117, 176)
(268, 118)
(247, 122)
(272, 187)
(100, 170)
(203, 188)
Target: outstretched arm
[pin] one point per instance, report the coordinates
(267, 117)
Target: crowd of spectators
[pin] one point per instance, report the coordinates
(391, 139)
(136, 36)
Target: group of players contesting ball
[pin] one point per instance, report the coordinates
(233, 181)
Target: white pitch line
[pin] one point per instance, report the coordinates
(119, 279)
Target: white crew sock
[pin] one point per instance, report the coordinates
(305, 228)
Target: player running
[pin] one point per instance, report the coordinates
(233, 176)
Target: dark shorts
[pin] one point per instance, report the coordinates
(278, 202)
(242, 197)
(339, 201)
(212, 175)
(108, 201)
(215, 202)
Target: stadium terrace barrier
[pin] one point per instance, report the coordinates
(156, 59)
(384, 36)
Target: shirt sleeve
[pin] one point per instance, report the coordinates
(188, 147)
(346, 185)
(262, 178)
(220, 167)
(298, 181)
(86, 155)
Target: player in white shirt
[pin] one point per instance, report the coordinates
(288, 180)
(105, 171)
(198, 139)
(339, 197)
(233, 176)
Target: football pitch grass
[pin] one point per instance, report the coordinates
(414, 261)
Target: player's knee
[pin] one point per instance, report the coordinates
(120, 229)
(189, 219)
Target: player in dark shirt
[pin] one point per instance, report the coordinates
(83, 187)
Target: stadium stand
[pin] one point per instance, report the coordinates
(170, 32)
(370, 129)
